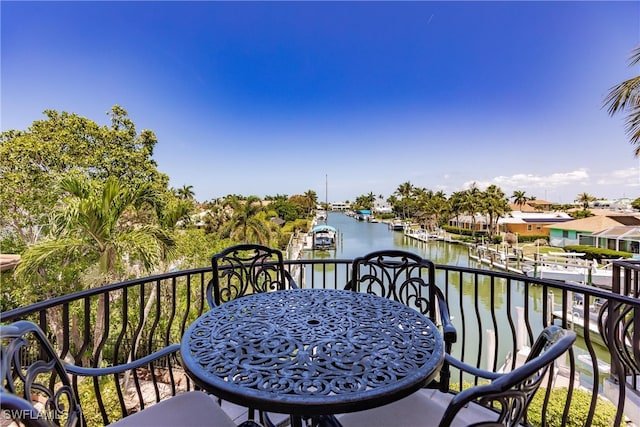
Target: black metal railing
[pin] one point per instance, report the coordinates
(497, 316)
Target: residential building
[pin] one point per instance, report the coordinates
(531, 223)
(582, 231)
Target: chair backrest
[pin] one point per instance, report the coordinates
(245, 269)
(514, 391)
(35, 386)
(398, 275)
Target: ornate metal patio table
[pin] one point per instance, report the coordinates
(310, 352)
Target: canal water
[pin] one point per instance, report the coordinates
(360, 237)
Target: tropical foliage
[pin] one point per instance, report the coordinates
(32, 163)
(584, 199)
(625, 98)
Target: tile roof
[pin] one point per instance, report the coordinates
(594, 224)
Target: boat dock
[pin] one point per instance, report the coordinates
(512, 260)
(427, 236)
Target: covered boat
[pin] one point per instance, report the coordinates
(324, 237)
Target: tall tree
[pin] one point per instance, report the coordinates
(496, 205)
(584, 199)
(472, 204)
(96, 225)
(519, 197)
(404, 190)
(457, 205)
(312, 201)
(246, 223)
(33, 161)
(625, 97)
(186, 192)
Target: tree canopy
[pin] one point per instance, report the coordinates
(34, 161)
(625, 98)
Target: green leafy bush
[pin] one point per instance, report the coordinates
(532, 237)
(604, 414)
(464, 231)
(89, 403)
(597, 253)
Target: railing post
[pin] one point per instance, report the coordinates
(491, 344)
(521, 330)
(550, 306)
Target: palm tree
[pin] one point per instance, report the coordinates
(456, 205)
(186, 192)
(472, 204)
(404, 190)
(519, 197)
(312, 201)
(496, 205)
(585, 199)
(246, 225)
(625, 97)
(96, 224)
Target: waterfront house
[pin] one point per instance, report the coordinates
(621, 238)
(531, 223)
(340, 206)
(581, 231)
(477, 222)
(382, 207)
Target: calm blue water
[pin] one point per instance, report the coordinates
(360, 237)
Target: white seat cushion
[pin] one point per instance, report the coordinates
(191, 409)
(421, 409)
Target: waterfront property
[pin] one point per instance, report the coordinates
(531, 223)
(497, 316)
(584, 231)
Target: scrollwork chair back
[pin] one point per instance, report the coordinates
(35, 385)
(410, 279)
(510, 394)
(245, 269)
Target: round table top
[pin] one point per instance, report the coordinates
(312, 351)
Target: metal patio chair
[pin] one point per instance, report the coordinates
(244, 269)
(502, 401)
(37, 389)
(410, 279)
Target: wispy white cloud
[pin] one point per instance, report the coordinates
(562, 185)
(532, 181)
(629, 177)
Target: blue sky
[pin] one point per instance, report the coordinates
(265, 98)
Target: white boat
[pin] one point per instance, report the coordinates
(324, 237)
(396, 225)
(570, 267)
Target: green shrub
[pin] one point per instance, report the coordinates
(604, 414)
(532, 238)
(89, 403)
(597, 253)
(464, 231)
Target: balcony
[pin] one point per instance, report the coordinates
(497, 315)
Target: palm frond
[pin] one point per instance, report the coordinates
(37, 256)
(635, 56)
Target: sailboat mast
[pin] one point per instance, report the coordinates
(326, 192)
